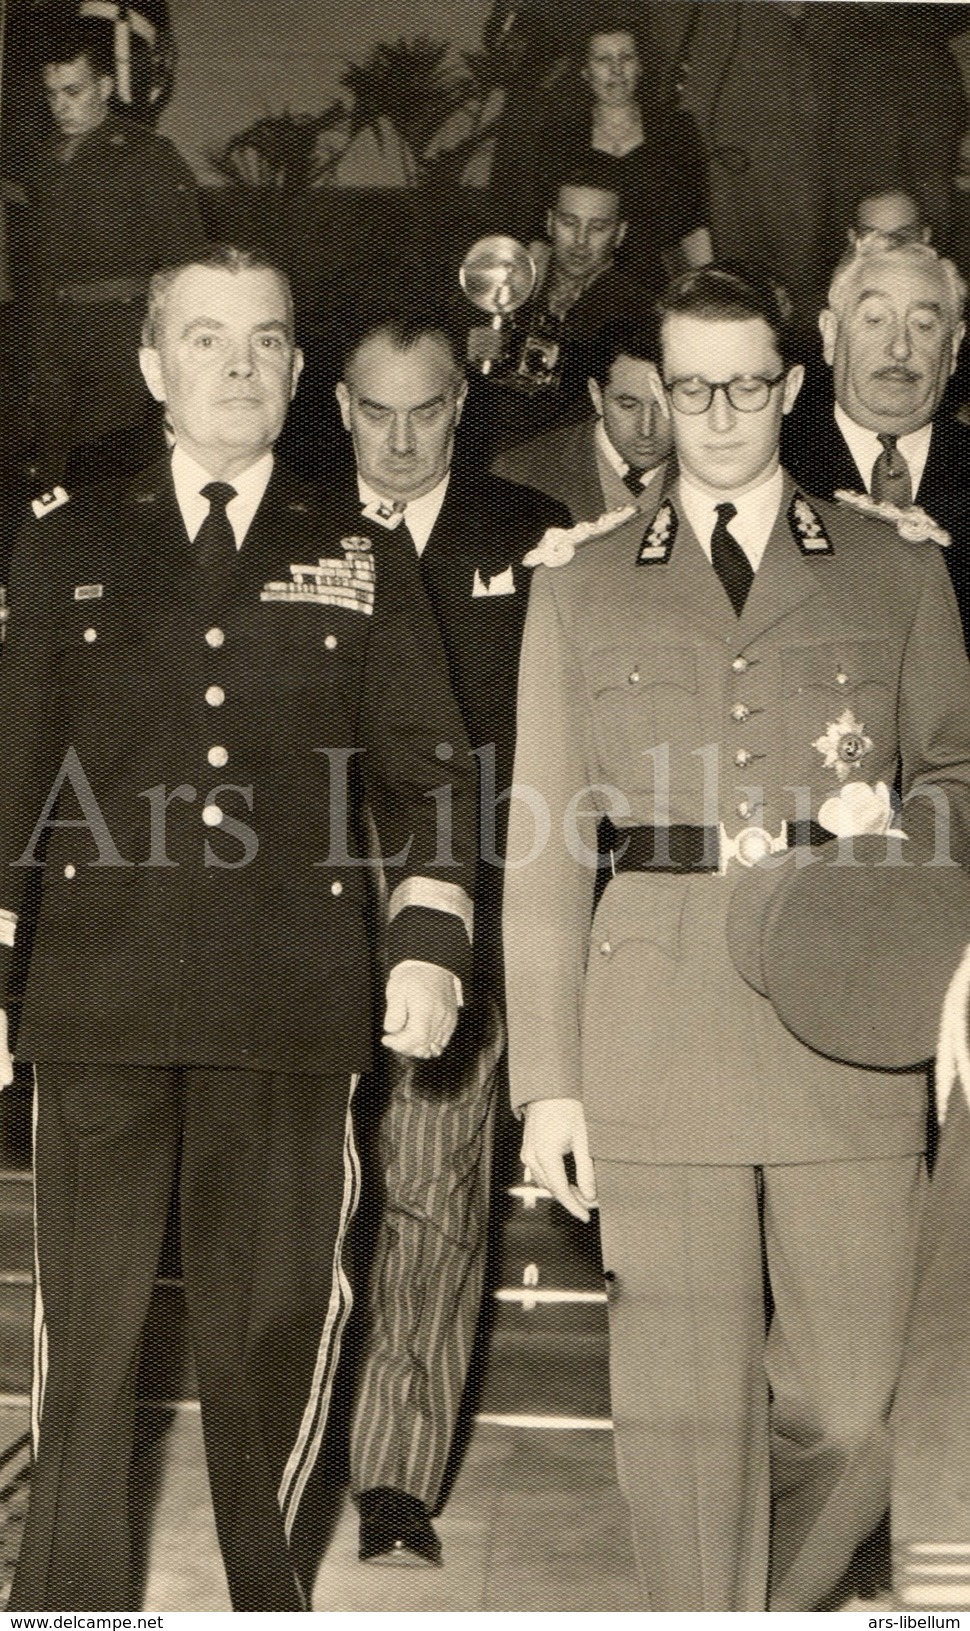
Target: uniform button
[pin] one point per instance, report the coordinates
(212, 815)
(742, 758)
(70, 870)
(635, 677)
(330, 641)
(605, 948)
(215, 638)
(217, 757)
(336, 888)
(90, 636)
(744, 809)
(841, 678)
(215, 696)
(740, 713)
(740, 665)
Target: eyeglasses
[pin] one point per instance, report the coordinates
(747, 393)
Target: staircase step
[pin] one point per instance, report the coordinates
(549, 1362)
(539, 1243)
(16, 1223)
(16, 1306)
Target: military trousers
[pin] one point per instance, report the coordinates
(754, 1457)
(931, 1411)
(268, 1182)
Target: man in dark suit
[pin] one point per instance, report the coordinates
(891, 333)
(401, 397)
(744, 674)
(618, 453)
(203, 678)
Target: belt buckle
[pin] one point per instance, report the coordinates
(749, 846)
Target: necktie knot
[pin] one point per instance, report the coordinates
(725, 513)
(215, 541)
(634, 480)
(220, 494)
(891, 480)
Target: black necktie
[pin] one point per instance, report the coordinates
(730, 562)
(891, 480)
(215, 541)
(634, 480)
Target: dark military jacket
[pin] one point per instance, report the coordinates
(123, 207)
(186, 757)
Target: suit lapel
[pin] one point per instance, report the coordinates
(156, 544)
(845, 471)
(586, 499)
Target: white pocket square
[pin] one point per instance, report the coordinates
(503, 583)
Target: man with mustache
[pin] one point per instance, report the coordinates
(891, 333)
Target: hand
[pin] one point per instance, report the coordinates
(6, 1059)
(553, 1128)
(422, 1009)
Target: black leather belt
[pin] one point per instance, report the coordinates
(687, 849)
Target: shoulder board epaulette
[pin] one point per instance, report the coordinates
(658, 540)
(49, 501)
(558, 545)
(808, 528)
(911, 520)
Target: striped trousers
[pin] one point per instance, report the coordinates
(435, 1150)
(268, 1184)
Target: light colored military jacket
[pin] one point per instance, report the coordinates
(643, 697)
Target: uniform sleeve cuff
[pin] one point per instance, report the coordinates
(427, 936)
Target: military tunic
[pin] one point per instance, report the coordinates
(644, 698)
(188, 751)
(119, 209)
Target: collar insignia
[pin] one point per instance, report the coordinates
(808, 528)
(658, 540)
(49, 501)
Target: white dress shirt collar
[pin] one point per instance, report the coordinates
(757, 512)
(865, 447)
(419, 514)
(190, 477)
(615, 460)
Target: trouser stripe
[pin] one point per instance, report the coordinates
(306, 1448)
(38, 1377)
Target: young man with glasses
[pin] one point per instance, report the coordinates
(696, 691)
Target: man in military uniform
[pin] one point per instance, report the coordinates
(203, 679)
(619, 451)
(113, 203)
(401, 398)
(721, 683)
